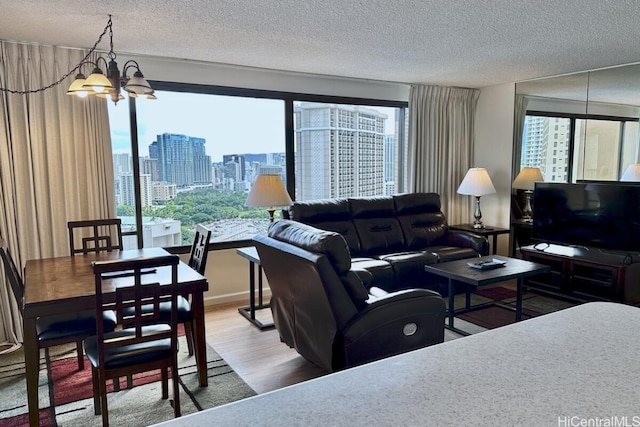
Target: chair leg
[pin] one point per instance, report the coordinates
(165, 383)
(176, 391)
(103, 400)
(80, 355)
(188, 332)
(47, 358)
(96, 391)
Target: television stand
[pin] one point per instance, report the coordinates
(585, 273)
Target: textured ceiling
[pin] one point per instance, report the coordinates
(468, 43)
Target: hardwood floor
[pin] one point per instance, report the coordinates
(257, 356)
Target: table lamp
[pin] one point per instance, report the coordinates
(477, 183)
(268, 191)
(526, 180)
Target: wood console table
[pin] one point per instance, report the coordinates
(585, 274)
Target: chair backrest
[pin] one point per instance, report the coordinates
(12, 274)
(200, 249)
(100, 235)
(135, 294)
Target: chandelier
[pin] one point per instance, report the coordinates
(103, 84)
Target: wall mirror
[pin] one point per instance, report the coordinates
(582, 126)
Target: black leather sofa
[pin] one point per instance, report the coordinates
(393, 237)
(321, 307)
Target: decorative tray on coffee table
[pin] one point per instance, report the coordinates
(487, 265)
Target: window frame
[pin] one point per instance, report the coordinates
(573, 117)
(287, 97)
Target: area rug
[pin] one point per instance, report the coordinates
(71, 392)
(494, 316)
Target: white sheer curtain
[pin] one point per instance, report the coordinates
(55, 161)
(441, 133)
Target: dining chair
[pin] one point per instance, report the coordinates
(149, 342)
(59, 329)
(197, 261)
(97, 235)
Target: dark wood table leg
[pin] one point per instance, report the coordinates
(451, 304)
(197, 308)
(519, 299)
(32, 368)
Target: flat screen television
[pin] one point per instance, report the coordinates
(591, 214)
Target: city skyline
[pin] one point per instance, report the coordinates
(220, 120)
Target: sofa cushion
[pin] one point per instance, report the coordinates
(381, 271)
(377, 226)
(331, 215)
(312, 239)
(408, 268)
(423, 223)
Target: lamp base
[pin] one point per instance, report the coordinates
(477, 214)
(271, 212)
(527, 211)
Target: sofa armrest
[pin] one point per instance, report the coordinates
(365, 276)
(392, 324)
(466, 239)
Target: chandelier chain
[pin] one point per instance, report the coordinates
(76, 68)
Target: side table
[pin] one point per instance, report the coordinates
(251, 254)
(488, 230)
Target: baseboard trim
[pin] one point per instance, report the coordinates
(241, 297)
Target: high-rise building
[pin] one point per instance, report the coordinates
(181, 159)
(149, 166)
(128, 193)
(545, 146)
(339, 151)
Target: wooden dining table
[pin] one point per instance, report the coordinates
(67, 284)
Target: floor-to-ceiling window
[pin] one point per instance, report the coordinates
(197, 150)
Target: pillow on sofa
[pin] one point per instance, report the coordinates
(313, 239)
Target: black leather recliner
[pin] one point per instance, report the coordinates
(322, 308)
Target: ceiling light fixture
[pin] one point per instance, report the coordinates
(102, 82)
(102, 85)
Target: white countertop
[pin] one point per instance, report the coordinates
(575, 364)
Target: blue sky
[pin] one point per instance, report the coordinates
(229, 124)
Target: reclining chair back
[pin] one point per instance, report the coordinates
(314, 293)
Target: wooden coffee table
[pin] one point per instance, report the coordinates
(459, 271)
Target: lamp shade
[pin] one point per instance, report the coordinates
(632, 173)
(527, 178)
(268, 191)
(476, 183)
